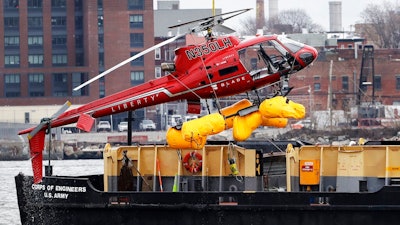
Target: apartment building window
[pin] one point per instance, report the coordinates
(59, 59)
(317, 86)
(345, 83)
(137, 77)
(397, 82)
(35, 22)
(11, 4)
(157, 71)
(11, 22)
(101, 59)
(34, 3)
(157, 54)
(135, 4)
(78, 41)
(77, 79)
(58, 3)
(78, 22)
(78, 5)
(102, 86)
(60, 84)
(100, 21)
(378, 82)
(136, 21)
(99, 4)
(137, 62)
(36, 84)
(11, 41)
(35, 40)
(100, 41)
(169, 54)
(12, 85)
(11, 60)
(58, 21)
(35, 60)
(137, 40)
(79, 59)
(59, 41)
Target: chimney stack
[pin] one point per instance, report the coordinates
(260, 15)
(273, 8)
(335, 16)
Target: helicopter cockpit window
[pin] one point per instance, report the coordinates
(268, 56)
(292, 45)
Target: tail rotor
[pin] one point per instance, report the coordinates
(36, 142)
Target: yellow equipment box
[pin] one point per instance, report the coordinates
(309, 172)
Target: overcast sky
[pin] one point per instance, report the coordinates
(318, 10)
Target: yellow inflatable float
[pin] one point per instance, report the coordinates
(231, 111)
(272, 112)
(282, 107)
(175, 139)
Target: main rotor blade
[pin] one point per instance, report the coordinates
(36, 130)
(128, 60)
(63, 108)
(42, 124)
(237, 12)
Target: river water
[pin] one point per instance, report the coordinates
(9, 213)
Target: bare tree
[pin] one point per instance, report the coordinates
(287, 21)
(248, 26)
(298, 19)
(394, 28)
(382, 25)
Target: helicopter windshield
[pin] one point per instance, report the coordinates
(293, 46)
(267, 56)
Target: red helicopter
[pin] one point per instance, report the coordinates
(218, 67)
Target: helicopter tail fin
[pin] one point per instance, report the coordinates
(36, 146)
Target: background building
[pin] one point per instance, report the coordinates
(50, 46)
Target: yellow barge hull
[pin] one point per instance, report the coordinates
(232, 185)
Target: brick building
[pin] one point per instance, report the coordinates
(50, 46)
(345, 80)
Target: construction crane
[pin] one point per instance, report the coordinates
(367, 72)
(369, 111)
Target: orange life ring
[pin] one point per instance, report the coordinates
(193, 162)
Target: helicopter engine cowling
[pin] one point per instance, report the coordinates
(168, 67)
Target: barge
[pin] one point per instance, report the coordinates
(223, 184)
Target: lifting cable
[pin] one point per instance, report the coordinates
(208, 77)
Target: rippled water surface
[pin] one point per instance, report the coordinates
(9, 213)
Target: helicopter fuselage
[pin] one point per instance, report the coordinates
(217, 68)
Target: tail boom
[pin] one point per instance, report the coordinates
(36, 145)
